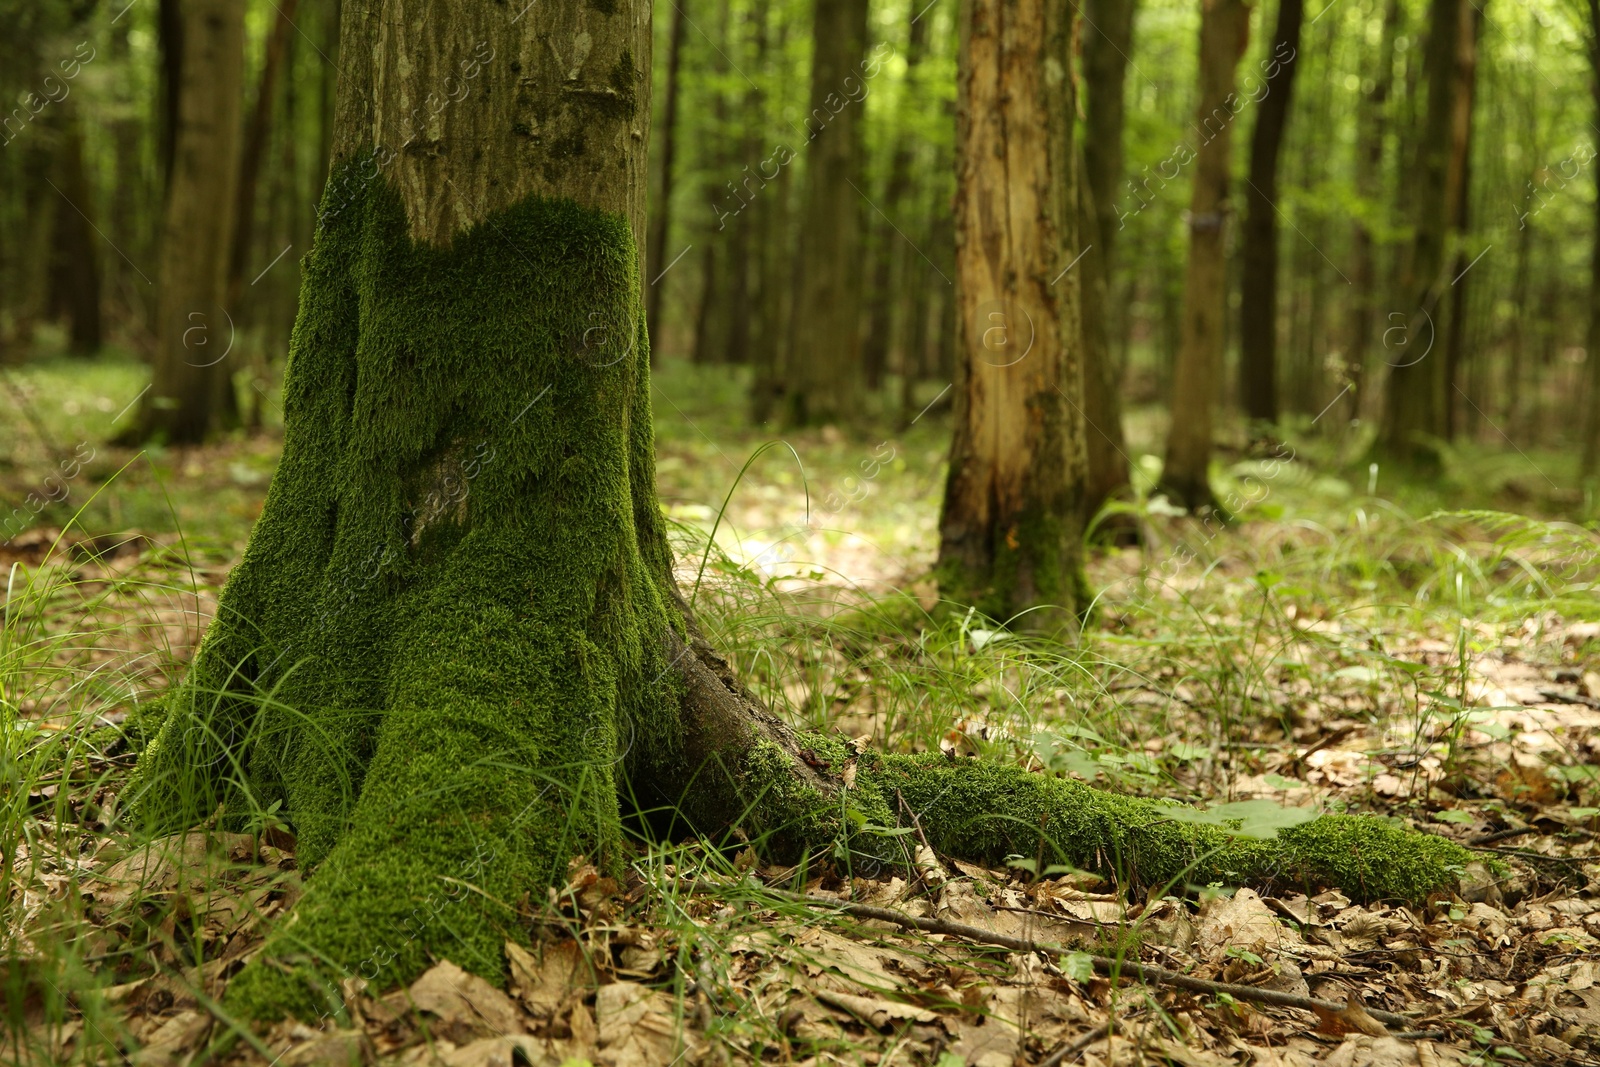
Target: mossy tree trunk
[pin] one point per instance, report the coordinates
(192, 386)
(1011, 529)
(1224, 32)
(454, 645)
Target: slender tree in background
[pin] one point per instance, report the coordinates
(889, 248)
(1258, 283)
(1591, 437)
(194, 332)
(1224, 32)
(1107, 43)
(1010, 533)
(661, 203)
(75, 258)
(1372, 125)
(169, 39)
(824, 372)
(1414, 405)
(254, 150)
(1461, 125)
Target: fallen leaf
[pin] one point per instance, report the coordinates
(174, 1039)
(874, 1011)
(465, 999)
(1353, 1019)
(638, 1026)
(543, 983)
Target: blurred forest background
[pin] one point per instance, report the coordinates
(1407, 266)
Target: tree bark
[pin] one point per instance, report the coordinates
(661, 214)
(824, 372)
(1372, 128)
(1591, 437)
(194, 331)
(1414, 405)
(75, 259)
(1460, 163)
(454, 643)
(1224, 32)
(254, 151)
(1258, 284)
(1107, 42)
(1010, 533)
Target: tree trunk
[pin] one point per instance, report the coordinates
(1258, 283)
(824, 373)
(75, 260)
(1414, 406)
(1224, 31)
(1372, 128)
(1461, 164)
(1107, 41)
(255, 146)
(661, 213)
(1105, 455)
(454, 641)
(1011, 531)
(892, 251)
(194, 333)
(1591, 437)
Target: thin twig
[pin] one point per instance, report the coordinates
(1103, 964)
(1078, 1044)
(1502, 835)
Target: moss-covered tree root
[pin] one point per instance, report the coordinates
(986, 812)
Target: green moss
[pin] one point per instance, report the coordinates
(986, 812)
(1035, 579)
(453, 602)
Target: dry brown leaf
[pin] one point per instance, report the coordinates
(874, 1011)
(335, 1048)
(585, 1035)
(638, 1026)
(1242, 920)
(465, 999)
(544, 983)
(1352, 1020)
(500, 1052)
(172, 1041)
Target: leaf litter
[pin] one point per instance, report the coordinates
(696, 960)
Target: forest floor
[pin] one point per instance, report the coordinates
(1346, 645)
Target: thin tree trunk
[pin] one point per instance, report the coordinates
(1107, 42)
(824, 373)
(1414, 405)
(1258, 308)
(1372, 120)
(194, 333)
(1224, 31)
(1461, 163)
(890, 249)
(661, 213)
(75, 259)
(1591, 437)
(1010, 533)
(255, 147)
(169, 39)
